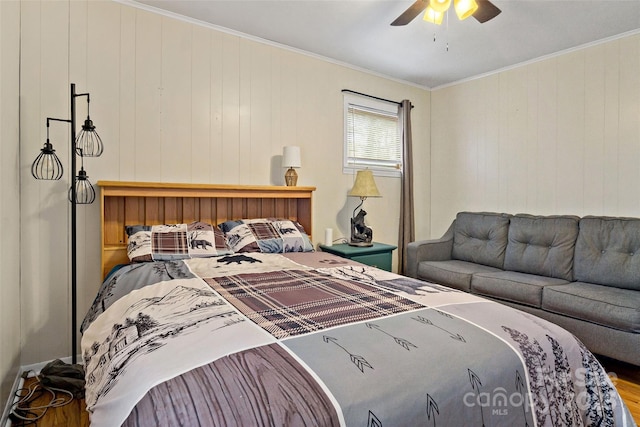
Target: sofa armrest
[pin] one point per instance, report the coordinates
(429, 250)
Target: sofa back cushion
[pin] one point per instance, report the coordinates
(480, 237)
(608, 252)
(542, 245)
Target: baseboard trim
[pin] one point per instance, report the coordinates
(19, 382)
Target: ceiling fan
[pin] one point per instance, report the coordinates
(482, 10)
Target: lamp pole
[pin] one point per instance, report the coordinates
(74, 242)
(74, 221)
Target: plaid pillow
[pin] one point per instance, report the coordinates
(175, 241)
(267, 235)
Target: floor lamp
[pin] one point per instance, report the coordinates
(47, 166)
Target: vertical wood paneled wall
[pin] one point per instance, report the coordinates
(9, 197)
(558, 136)
(177, 102)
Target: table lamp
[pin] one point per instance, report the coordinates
(291, 160)
(363, 187)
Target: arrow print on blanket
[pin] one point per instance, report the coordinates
(520, 388)
(426, 321)
(432, 409)
(442, 313)
(474, 379)
(373, 421)
(357, 360)
(400, 341)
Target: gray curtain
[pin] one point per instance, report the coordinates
(407, 226)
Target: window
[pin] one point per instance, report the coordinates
(372, 136)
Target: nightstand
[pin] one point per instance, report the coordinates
(378, 255)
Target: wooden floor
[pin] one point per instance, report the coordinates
(625, 377)
(73, 414)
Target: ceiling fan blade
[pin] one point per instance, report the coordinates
(413, 11)
(486, 11)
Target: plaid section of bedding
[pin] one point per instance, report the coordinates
(170, 243)
(264, 230)
(293, 302)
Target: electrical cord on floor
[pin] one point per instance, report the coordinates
(23, 414)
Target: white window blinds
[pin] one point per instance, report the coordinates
(372, 136)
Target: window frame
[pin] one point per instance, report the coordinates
(350, 164)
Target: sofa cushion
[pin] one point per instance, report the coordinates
(608, 252)
(513, 286)
(480, 237)
(542, 245)
(605, 305)
(454, 273)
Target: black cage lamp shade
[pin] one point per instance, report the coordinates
(88, 143)
(47, 165)
(85, 194)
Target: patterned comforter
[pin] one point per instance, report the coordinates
(316, 340)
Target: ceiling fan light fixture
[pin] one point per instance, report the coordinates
(439, 5)
(465, 8)
(481, 10)
(432, 16)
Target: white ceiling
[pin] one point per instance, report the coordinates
(357, 32)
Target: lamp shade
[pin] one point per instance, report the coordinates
(291, 157)
(47, 165)
(432, 16)
(88, 142)
(365, 185)
(85, 194)
(439, 5)
(465, 8)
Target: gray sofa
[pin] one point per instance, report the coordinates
(580, 273)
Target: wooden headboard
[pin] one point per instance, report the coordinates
(150, 203)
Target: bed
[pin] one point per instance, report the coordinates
(273, 333)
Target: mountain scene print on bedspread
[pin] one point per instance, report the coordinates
(137, 276)
(148, 327)
(359, 346)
